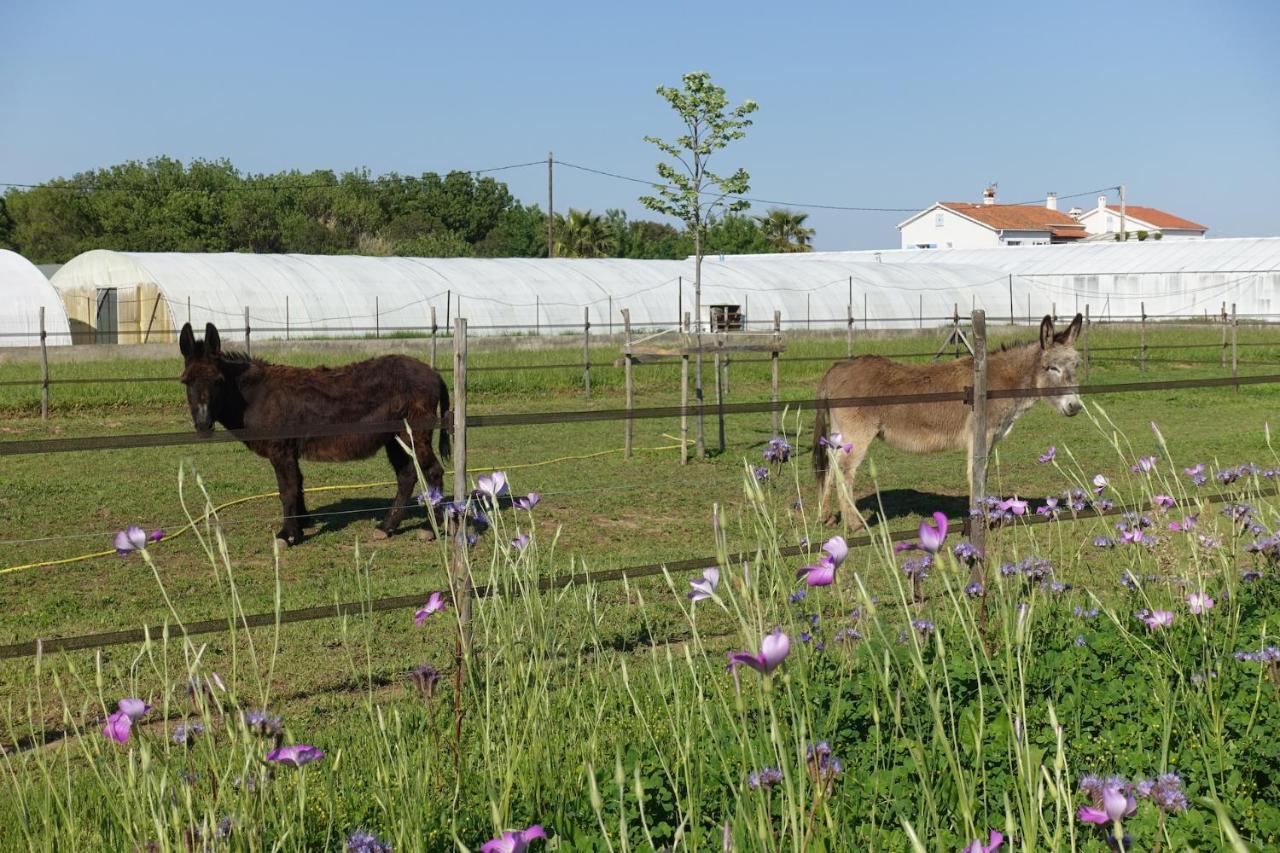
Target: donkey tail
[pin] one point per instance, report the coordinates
(820, 455)
(446, 443)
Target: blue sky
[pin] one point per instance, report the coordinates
(885, 105)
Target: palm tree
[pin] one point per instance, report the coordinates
(583, 234)
(785, 230)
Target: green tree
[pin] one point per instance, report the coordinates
(583, 234)
(693, 193)
(785, 230)
(734, 234)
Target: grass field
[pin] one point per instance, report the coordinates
(598, 511)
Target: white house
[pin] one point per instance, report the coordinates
(1105, 219)
(964, 225)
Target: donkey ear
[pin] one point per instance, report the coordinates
(1068, 335)
(187, 342)
(212, 342)
(1046, 332)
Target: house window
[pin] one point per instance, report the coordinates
(1111, 223)
(937, 220)
(1013, 242)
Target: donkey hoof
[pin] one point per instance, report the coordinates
(380, 534)
(832, 520)
(426, 534)
(288, 540)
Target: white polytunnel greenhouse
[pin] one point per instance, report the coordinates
(23, 292)
(130, 297)
(1166, 278)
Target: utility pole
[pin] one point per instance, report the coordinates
(1123, 235)
(551, 211)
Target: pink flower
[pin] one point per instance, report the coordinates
(134, 538)
(134, 709)
(117, 727)
(1164, 501)
(1198, 602)
(513, 841)
(933, 535)
(1013, 505)
(1158, 619)
(1099, 484)
(296, 755)
(824, 572)
(993, 843)
(836, 441)
(494, 484)
(1044, 458)
(435, 604)
(705, 587)
(774, 649)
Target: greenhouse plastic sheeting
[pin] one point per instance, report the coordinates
(23, 292)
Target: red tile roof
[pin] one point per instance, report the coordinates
(1017, 217)
(1158, 218)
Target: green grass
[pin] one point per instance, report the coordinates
(600, 512)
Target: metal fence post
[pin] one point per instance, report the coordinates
(626, 367)
(978, 457)
(248, 345)
(434, 329)
(44, 369)
(586, 350)
(1234, 351)
(684, 393)
(848, 344)
(1142, 337)
(773, 372)
(1088, 325)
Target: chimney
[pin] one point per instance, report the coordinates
(1075, 213)
(989, 195)
(1051, 201)
(1102, 202)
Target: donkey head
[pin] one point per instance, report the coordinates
(1058, 362)
(209, 389)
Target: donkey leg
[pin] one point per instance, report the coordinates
(828, 512)
(433, 472)
(849, 463)
(289, 480)
(405, 478)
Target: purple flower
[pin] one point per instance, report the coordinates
(1158, 619)
(363, 841)
(766, 778)
(797, 596)
(520, 541)
(918, 568)
(834, 442)
(513, 841)
(1104, 542)
(975, 590)
(777, 451)
(965, 551)
(823, 766)
(435, 604)
(1099, 484)
(1145, 465)
(994, 840)
(1047, 456)
(1165, 791)
(933, 535)
(262, 723)
(295, 756)
(493, 485)
(760, 472)
(1080, 641)
(1164, 501)
(184, 732)
(705, 587)
(1013, 505)
(1050, 508)
(774, 649)
(1183, 526)
(134, 538)
(431, 497)
(134, 709)
(1115, 805)
(923, 626)
(1199, 602)
(823, 573)
(425, 678)
(117, 727)
(527, 502)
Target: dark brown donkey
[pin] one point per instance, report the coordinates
(250, 394)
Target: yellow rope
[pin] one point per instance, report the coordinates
(311, 490)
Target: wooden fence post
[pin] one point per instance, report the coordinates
(1088, 324)
(434, 329)
(848, 343)
(626, 367)
(684, 393)
(773, 372)
(586, 350)
(720, 392)
(978, 458)
(1142, 337)
(459, 572)
(1234, 352)
(248, 345)
(44, 369)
